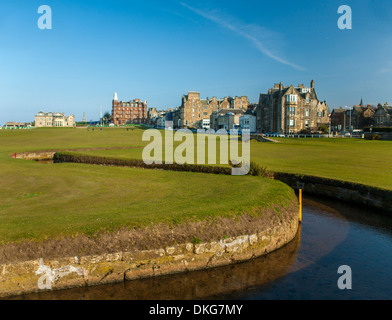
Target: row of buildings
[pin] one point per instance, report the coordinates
(289, 109)
(44, 120)
(126, 112)
(53, 119)
(16, 125)
(360, 117)
(283, 109)
(194, 112)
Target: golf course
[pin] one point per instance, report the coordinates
(44, 201)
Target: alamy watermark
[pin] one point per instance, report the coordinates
(345, 282)
(191, 152)
(45, 20)
(345, 21)
(50, 276)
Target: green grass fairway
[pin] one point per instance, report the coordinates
(42, 201)
(352, 160)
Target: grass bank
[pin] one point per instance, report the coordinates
(44, 201)
(352, 160)
(47, 201)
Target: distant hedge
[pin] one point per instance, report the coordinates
(61, 157)
(378, 130)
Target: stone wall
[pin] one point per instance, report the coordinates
(39, 155)
(39, 275)
(355, 193)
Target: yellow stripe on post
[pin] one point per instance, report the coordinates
(300, 205)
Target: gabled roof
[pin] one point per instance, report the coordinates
(359, 109)
(340, 110)
(249, 111)
(276, 92)
(222, 112)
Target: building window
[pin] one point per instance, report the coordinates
(291, 98)
(291, 122)
(307, 112)
(291, 111)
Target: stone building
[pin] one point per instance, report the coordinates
(53, 119)
(338, 118)
(134, 111)
(239, 103)
(360, 117)
(227, 119)
(195, 112)
(154, 116)
(383, 116)
(248, 121)
(17, 125)
(289, 109)
(357, 118)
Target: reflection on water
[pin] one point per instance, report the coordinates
(332, 235)
(335, 234)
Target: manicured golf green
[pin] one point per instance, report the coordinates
(42, 201)
(352, 160)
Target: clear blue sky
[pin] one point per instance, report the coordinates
(159, 50)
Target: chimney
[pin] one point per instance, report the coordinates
(115, 97)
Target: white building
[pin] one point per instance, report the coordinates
(18, 125)
(51, 119)
(161, 121)
(248, 121)
(206, 124)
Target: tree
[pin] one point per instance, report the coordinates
(323, 128)
(107, 118)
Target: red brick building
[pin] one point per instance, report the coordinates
(134, 111)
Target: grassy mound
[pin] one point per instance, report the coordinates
(47, 201)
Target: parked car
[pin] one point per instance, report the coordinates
(278, 135)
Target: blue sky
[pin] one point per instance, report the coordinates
(159, 50)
